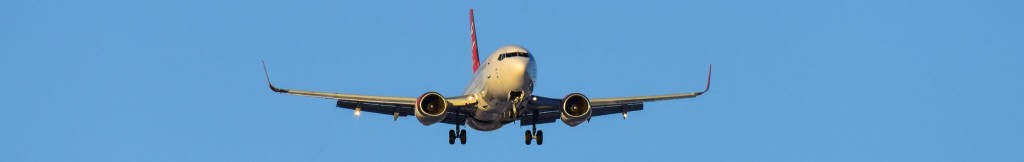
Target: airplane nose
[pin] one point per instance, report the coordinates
(518, 67)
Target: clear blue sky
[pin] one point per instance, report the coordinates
(795, 80)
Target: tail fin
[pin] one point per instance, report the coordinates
(472, 33)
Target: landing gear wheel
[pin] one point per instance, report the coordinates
(540, 137)
(451, 136)
(529, 137)
(462, 137)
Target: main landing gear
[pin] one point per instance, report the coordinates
(539, 135)
(457, 132)
(461, 135)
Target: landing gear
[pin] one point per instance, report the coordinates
(462, 137)
(458, 132)
(451, 136)
(529, 137)
(539, 136)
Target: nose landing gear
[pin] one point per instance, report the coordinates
(516, 97)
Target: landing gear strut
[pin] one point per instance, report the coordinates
(458, 132)
(539, 136)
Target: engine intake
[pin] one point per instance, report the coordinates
(431, 107)
(575, 109)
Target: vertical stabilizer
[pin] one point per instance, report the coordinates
(472, 35)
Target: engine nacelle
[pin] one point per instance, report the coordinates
(575, 109)
(431, 108)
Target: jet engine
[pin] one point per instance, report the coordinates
(575, 109)
(431, 108)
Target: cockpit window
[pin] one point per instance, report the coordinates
(513, 54)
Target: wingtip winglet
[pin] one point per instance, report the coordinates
(708, 85)
(267, 74)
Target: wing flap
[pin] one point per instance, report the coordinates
(544, 117)
(387, 109)
(616, 109)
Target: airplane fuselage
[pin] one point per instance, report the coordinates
(501, 86)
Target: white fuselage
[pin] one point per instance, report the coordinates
(501, 87)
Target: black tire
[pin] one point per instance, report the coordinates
(529, 137)
(540, 137)
(451, 136)
(462, 137)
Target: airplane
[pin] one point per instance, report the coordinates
(500, 92)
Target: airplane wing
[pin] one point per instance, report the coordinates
(397, 106)
(548, 109)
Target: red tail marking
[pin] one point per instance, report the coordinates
(472, 33)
